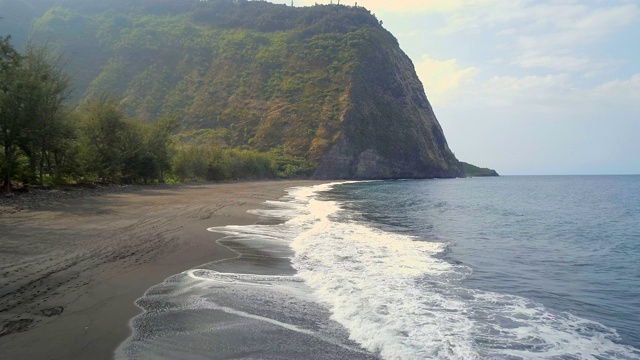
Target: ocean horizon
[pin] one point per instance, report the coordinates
(512, 267)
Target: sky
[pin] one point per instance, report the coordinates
(527, 87)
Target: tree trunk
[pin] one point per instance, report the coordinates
(9, 156)
(31, 154)
(33, 170)
(41, 175)
(52, 169)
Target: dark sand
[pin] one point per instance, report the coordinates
(71, 271)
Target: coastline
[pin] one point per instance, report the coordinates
(72, 269)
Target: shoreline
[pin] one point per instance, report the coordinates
(72, 269)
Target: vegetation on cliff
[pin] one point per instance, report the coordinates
(324, 87)
(475, 171)
(47, 143)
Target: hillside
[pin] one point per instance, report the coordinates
(325, 83)
(475, 171)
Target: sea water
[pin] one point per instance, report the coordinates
(480, 268)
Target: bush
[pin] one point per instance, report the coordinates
(196, 162)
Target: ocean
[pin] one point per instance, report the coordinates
(515, 267)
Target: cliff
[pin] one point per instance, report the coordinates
(475, 171)
(389, 129)
(324, 83)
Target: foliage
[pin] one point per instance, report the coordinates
(193, 162)
(99, 140)
(475, 171)
(122, 149)
(45, 89)
(9, 104)
(159, 141)
(32, 112)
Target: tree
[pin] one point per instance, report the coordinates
(46, 88)
(34, 88)
(63, 154)
(159, 139)
(108, 139)
(9, 103)
(132, 151)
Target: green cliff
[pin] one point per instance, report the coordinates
(326, 83)
(475, 171)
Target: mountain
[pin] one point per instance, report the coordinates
(475, 171)
(326, 83)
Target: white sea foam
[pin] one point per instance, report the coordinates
(368, 279)
(245, 279)
(228, 310)
(398, 298)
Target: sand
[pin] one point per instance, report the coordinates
(72, 270)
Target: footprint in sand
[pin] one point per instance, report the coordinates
(15, 326)
(49, 312)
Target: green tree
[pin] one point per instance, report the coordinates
(191, 163)
(46, 88)
(63, 156)
(158, 142)
(110, 143)
(10, 106)
(132, 151)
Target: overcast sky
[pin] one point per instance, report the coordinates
(527, 87)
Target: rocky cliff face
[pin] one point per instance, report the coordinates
(325, 83)
(389, 130)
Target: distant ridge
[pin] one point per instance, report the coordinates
(475, 171)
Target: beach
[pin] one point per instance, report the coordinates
(73, 268)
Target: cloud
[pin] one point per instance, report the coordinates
(554, 96)
(440, 78)
(560, 27)
(562, 36)
(620, 90)
(412, 6)
(564, 63)
(551, 96)
(545, 124)
(567, 22)
(531, 92)
(553, 35)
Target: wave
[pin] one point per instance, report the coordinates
(357, 292)
(399, 298)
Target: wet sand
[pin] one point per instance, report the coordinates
(71, 270)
